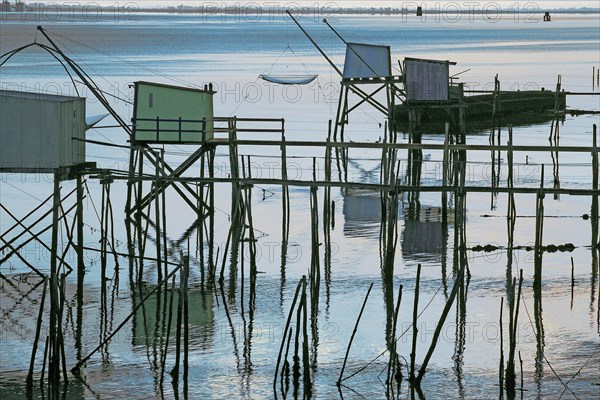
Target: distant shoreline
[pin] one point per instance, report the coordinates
(253, 8)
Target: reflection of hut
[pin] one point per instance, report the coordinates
(150, 321)
(362, 212)
(422, 236)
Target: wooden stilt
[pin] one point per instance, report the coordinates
(202, 220)
(80, 244)
(131, 180)
(211, 210)
(54, 347)
(165, 253)
(175, 370)
(539, 230)
(138, 216)
(594, 208)
(157, 218)
(415, 328)
(29, 379)
(501, 364)
(184, 293)
(394, 369)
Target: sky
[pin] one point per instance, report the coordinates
(427, 4)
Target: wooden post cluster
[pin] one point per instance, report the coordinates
(394, 369)
(301, 361)
(510, 380)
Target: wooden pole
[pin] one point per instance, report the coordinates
(285, 197)
(113, 247)
(140, 187)
(80, 244)
(285, 331)
(305, 357)
(510, 366)
(339, 381)
(130, 180)
(285, 371)
(327, 192)
(445, 161)
(46, 344)
(157, 217)
(415, 328)
(251, 238)
(594, 208)
(296, 366)
(60, 332)
(175, 371)
(164, 227)
(211, 215)
(572, 281)
(186, 271)
(333, 215)
(393, 354)
(438, 328)
(53, 348)
(37, 334)
(201, 224)
(521, 364)
(539, 230)
(169, 321)
(510, 181)
(501, 365)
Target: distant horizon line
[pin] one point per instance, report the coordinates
(250, 6)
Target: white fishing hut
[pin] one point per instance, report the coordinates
(40, 132)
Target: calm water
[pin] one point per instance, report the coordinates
(236, 359)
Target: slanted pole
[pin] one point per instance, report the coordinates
(335, 67)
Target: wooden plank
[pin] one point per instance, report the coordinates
(412, 146)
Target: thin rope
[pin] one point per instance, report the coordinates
(277, 60)
(299, 59)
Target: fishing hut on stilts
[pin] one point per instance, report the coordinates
(42, 134)
(169, 115)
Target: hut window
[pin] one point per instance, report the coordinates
(150, 100)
